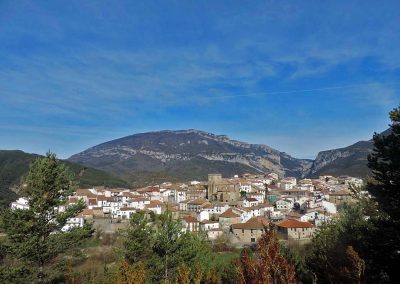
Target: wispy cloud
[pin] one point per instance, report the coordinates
(88, 68)
(378, 94)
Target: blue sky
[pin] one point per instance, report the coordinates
(300, 76)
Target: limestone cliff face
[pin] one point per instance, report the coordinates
(351, 160)
(192, 154)
(324, 158)
(195, 153)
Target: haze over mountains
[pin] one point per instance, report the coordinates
(192, 154)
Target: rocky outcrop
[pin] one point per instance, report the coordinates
(351, 160)
(179, 150)
(193, 154)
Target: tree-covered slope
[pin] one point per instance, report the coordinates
(14, 164)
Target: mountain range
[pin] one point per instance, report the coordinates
(192, 154)
(182, 155)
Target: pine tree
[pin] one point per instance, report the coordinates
(138, 239)
(35, 236)
(384, 240)
(385, 165)
(168, 243)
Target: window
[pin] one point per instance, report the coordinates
(253, 240)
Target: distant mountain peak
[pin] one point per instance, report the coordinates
(192, 154)
(176, 151)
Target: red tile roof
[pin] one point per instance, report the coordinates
(87, 212)
(229, 214)
(294, 224)
(294, 214)
(92, 201)
(190, 219)
(254, 223)
(251, 199)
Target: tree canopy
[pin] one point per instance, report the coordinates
(35, 236)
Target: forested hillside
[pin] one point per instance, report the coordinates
(14, 164)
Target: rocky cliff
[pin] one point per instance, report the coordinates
(189, 154)
(350, 160)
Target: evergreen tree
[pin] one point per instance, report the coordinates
(163, 246)
(384, 240)
(385, 165)
(168, 243)
(138, 239)
(35, 236)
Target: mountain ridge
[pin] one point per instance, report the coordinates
(164, 150)
(350, 160)
(170, 153)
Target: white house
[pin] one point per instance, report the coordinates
(190, 224)
(216, 208)
(138, 202)
(254, 211)
(329, 207)
(260, 196)
(315, 215)
(266, 209)
(306, 186)
(74, 222)
(203, 215)
(276, 215)
(207, 225)
(21, 203)
(245, 214)
(123, 213)
(165, 193)
(249, 202)
(183, 205)
(245, 187)
(291, 180)
(285, 204)
(197, 204)
(213, 234)
(180, 195)
(352, 181)
(155, 206)
(285, 185)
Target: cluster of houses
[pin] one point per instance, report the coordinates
(236, 208)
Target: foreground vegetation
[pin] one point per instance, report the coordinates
(362, 245)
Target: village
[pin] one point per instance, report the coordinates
(234, 209)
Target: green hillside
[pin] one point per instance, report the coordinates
(14, 164)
